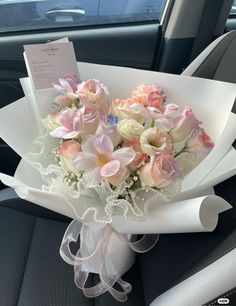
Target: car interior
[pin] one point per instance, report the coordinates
(195, 38)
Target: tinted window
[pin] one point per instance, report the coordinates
(233, 9)
(18, 15)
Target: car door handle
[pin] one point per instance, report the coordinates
(77, 13)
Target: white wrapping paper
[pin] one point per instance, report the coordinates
(211, 101)
(191, 210)
(210, 282)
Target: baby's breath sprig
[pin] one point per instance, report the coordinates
(56, 154)
(71, 179)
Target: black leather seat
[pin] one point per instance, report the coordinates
(32, 271)
(33, 274)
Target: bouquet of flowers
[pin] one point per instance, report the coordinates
(123, 153)
(125, 146)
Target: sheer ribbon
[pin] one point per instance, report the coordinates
(87, 254)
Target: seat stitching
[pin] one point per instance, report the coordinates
(223, 56)
(196, 71)
(30, 244)
(202, 267)
(213, 260)
(224, 295)
(35, 214)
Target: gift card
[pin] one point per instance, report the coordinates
(46, 63)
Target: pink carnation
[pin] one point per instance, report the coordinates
(123, 108)
(150, 102)
(148, 94)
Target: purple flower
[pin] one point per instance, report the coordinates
(67, 88)
(72, 123)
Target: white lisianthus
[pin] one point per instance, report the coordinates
(155, 141)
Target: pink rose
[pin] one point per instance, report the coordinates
(92, 93)
(160, 172)
(200, 142)
(140, 157)
(68, 151)
(184, 125)
(156, 141)
(91, 122)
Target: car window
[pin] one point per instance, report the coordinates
(16, 15)
(233, 9)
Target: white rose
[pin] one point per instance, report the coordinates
(130, 129)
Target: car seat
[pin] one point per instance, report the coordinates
(33, 274)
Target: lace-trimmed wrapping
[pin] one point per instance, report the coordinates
(98, 203)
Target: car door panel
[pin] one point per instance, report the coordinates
(132, 46)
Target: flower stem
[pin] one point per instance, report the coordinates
(181, 151)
